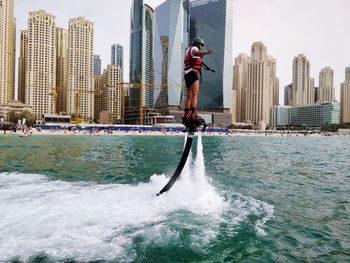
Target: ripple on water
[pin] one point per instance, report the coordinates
(262, 204)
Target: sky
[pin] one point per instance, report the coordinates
(317, 28)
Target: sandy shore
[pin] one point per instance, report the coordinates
(231, 133)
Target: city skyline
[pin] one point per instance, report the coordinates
(272, 22)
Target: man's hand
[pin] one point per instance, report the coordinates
(210, 50)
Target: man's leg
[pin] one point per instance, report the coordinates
(187, 111)
(194, 98)
(194, 94)
(192, 84)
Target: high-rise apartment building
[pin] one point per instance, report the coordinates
(240, 86)
(80, 96)
(213, 21)
(113, 92)
(261, 85)
(108, 94)
(288, 95)
(345, 97)
(327, 90)
(171, 39)
(316, 94)
(141, 54)
(22, 65)
(100, 95)
(7, 50)
(97, 65)
(311, 91)
(302, 90)
(234, 108)
(61, 69)
(40, 87)
(274, 82)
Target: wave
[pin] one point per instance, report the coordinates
(86, 221)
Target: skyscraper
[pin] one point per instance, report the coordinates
(113, 92)
(261, 84)
(141, 54)
(274, 82)
(117, 55)
(80, 97)
(22, 65)
(327, 90)
(316, 94)
(97, 65)
(61, 69)
(7, 50)
(171, 38)
(240, 85)
(345, 98)
(311, 91)
(301, 86)
(213, 21)
(288, 95)
(40, 88)
(234, 108)
(100, 95)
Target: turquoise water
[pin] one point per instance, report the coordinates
(240, 199)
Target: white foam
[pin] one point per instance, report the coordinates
(85, 221)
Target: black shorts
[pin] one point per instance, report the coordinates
(190, 78)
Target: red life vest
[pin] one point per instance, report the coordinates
(192, 62)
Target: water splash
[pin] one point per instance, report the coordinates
(84, 221)
(187, 168)
(199, 166)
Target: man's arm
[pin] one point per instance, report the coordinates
(202, 53)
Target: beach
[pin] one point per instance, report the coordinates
(169, 132)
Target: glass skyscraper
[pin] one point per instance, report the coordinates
(141, 54)
(171, 39)
(97, 65)
(212, 20)
(117, 55)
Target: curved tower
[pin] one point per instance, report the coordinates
(141, 53)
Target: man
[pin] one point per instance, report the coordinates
(193, 66)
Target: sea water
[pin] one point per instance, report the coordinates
(89, 198)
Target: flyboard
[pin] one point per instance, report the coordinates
(191, 128)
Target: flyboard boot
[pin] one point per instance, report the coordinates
(186, 116)
(192, 121)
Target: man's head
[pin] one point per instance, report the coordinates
(198, 42)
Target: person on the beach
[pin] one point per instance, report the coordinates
(193, 65)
